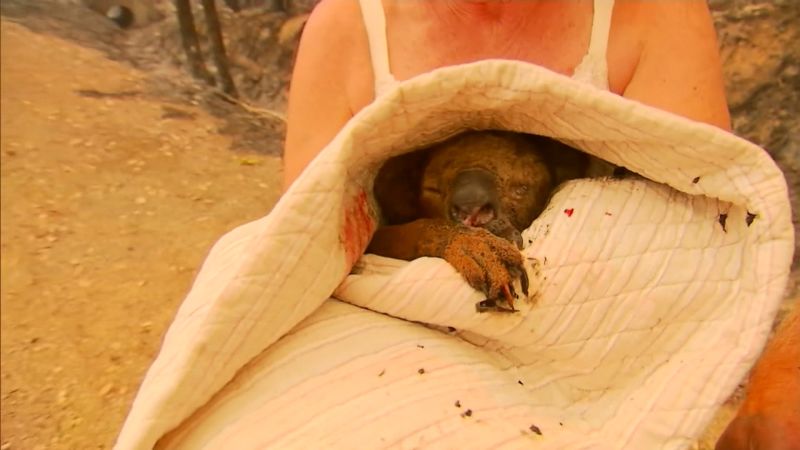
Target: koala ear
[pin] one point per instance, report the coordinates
(398, 185)
(565, 162)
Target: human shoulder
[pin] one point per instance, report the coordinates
(665, 20)
(334, 22)
(669, 17)
(327, 86)
(679, 68)
(331, 32)
(334, 46)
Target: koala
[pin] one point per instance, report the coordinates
(467, 199)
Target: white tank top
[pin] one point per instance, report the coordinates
(593, 68)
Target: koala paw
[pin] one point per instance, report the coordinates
(489, 263)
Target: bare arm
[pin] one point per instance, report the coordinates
(679, 69)
(319, 97)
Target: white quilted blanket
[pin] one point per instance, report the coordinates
(651, 298)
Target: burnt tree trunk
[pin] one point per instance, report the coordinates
(218, 47)
(191, 45)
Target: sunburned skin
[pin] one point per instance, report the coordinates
(467, 199)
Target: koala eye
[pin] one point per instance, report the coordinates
(432, 190)
(519, 190)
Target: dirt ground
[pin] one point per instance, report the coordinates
(110, 200)
(113, 191)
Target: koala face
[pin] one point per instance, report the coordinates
(478, 178)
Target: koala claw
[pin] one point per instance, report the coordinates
(491, 305)
(488, 263)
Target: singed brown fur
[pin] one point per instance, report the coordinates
(415, 192)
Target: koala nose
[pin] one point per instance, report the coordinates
(474, 197)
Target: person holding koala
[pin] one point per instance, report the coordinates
(663, 54)
(660, 53)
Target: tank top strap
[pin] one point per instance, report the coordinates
(593, 68)
(375, 24)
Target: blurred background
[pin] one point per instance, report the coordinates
(123, 160)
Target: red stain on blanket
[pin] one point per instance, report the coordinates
(358, 227)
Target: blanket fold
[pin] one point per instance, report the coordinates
(651, 298)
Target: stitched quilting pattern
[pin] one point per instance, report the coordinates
(650, 299)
